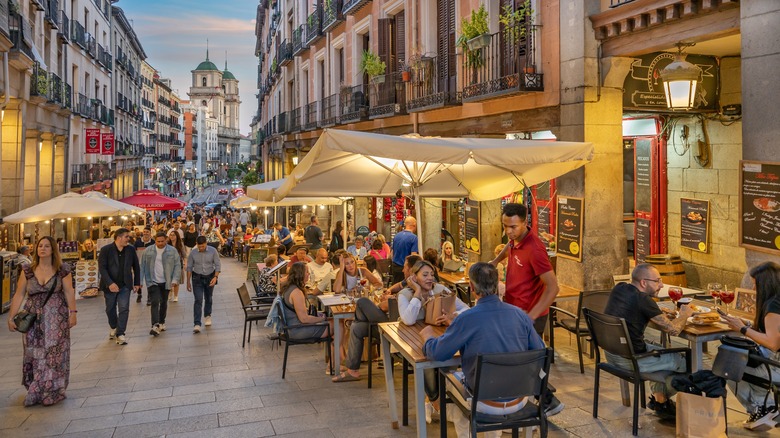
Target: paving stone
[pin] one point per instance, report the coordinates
(103, 422)
(248, 430)
(268, 413)
(164, 428)
(167, 402)
(100, 400)
(216, 407)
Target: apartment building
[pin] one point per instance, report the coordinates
(128, 124)
(148, 121)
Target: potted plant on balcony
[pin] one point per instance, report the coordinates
(406, 74)
(516, 22)
(475, 33)
(374, 67)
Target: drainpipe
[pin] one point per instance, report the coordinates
(6, 100)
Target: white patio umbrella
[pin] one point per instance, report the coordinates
(352, 163)
(264, 191)
(72, 205)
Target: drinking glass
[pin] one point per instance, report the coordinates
(675, 293)
(714, 290)
(727, 296)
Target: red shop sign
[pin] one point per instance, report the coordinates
(93, 141)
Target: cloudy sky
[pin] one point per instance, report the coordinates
(173, 34)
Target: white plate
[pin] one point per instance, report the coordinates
(690, 321)
(703, 310)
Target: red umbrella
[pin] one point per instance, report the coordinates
(153, 200)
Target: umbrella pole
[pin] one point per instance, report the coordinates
(418, 212)
(344, 222)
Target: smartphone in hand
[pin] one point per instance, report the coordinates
(720, 311)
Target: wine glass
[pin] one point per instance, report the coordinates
(727, 296)
(675, 293)
(714, 290)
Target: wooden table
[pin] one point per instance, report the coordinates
(407, 340)
(341, 308)
(459, 283)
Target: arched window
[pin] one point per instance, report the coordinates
(203, 81)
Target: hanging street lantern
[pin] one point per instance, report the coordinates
(680, 80)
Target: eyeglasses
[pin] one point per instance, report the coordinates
(658, 280)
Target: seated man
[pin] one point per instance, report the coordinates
(489, 327)
(301, 255)
(634, 303)
(357, 249)
(326, 283)
(319, 268)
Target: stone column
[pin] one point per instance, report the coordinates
(31, 175)
(45, 167)
(591, 111)
(59, 166)
(430, 229)
(11, 161)
(760, 61)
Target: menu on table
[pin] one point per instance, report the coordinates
(694, 224)
(759, 207)
(568, 235)
(471, 213)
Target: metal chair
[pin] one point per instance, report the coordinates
(611, 334)
(252, 312)
(383, 266)
(496, 379)
(285, 337)
(392, 307)
(592, 299)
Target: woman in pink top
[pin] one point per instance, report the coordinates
(377, 251)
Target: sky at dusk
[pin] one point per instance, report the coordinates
(173, 34)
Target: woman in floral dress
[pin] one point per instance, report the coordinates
(46, 363)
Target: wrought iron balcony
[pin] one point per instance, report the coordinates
(77, 34)
(353, 104)
(387, 96)
(331, 15)
(430, 86)
(55, 89)
(310, 116)
(147, 103)
(21, 35)
(91, 45)
(295, 120)
(64, 29)
(39, 83)
(284, 53)
(51, 15)
(67, 96)
(150, 150)
(313, 26)
(121, 57)
(503, 67)
(297, 41)
(352, 6)
(86, 174)
(329, 111)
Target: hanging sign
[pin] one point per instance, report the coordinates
(568, 235)
(93, 141)
(107, 143)
(694, 224)
(759, 206)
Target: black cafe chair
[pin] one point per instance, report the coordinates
(253, 312)
(610, 333)
(284, 336)
(496, 379)
(592, 299)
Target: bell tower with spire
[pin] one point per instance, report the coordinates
(206, 88)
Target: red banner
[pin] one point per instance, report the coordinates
(93, 141)
(107, 143)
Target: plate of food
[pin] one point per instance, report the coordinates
(698, 310)
(694, 217)
(568, 225)
(708, 318)
(766, 204)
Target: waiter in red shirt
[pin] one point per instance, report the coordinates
(530, 281)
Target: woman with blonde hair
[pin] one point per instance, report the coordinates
(48, 287)
(447, 254)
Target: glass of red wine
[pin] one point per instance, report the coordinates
(727, 296)
(675, 293)
(714, 290)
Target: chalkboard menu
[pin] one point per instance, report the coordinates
(568, 235)
(759, 206)
(543, 217)
(643, 179)
(256, 255)
(694, 224)
(642, 239)
(471, 214)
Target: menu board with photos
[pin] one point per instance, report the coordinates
(471, 213)
(641, 239)
(694, 224)
(568, 235)
(759, 207)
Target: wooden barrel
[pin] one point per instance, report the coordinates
(670, 267)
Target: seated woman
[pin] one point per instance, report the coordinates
(371, 266)
(431, 256)
(765, 331)
(296, 306)
(378, 251)
(422, 285)
(266, 281)
(349, 276)
(447, 254)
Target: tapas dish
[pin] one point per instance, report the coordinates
(694, 217)
(768, 205)
(568, 225)
(704, 318)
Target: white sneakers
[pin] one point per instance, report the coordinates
(162, 327)
(196, 329)
(121, 340)
(155, 331)
(207, 321)
(112, 334)
(176, 299)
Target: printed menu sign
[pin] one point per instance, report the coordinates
(642, 239)
(759, 206)
(643, 175)
(568, 235)
(471, 213)
(694, 224)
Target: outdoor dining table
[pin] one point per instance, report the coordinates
(407, 340)
(341, 308)
(458, 282)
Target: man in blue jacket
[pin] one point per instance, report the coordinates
(161, 270)
(120, 274)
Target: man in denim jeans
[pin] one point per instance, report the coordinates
(161, 270)
(120, 273)
(203, 267)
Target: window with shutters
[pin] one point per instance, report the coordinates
(445, 46)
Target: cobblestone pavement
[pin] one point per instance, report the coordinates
(183, 384)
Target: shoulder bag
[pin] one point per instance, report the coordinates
(24, 320)
(734, 357)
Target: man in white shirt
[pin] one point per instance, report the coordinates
(319, 268)
(243, 219)
(161, 270)
(177, 229)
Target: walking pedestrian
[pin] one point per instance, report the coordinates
(120, 273)
(203, 267)
(161, 270)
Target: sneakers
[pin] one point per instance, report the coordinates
(138, 300)
(148, 302)
(207, 321)
(112, 334)
(162, 327)
(155, 331)
(121, 340)
(554, 407)
(428, 412)
(665, 410)
(196, 329)
(176, 299)
(762, 419)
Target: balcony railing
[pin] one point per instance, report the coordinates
(284, 54)
(297, 41)
(313, 26)
(353, 103)
(39, 82)
(387, 97)
(77, 34)
(331, 15)
(91, 45)
(310, 116)
(51, 13)
(64, 29)
(67, 96)
(502, 67)
(352, 6)
(329, 111)
(85, 174)
(103, 57)
(21, 34)
(430, 85)
(147, 103)
(150, 150)
(55, 89)
(295, 120)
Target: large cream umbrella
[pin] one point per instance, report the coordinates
(72, 205)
